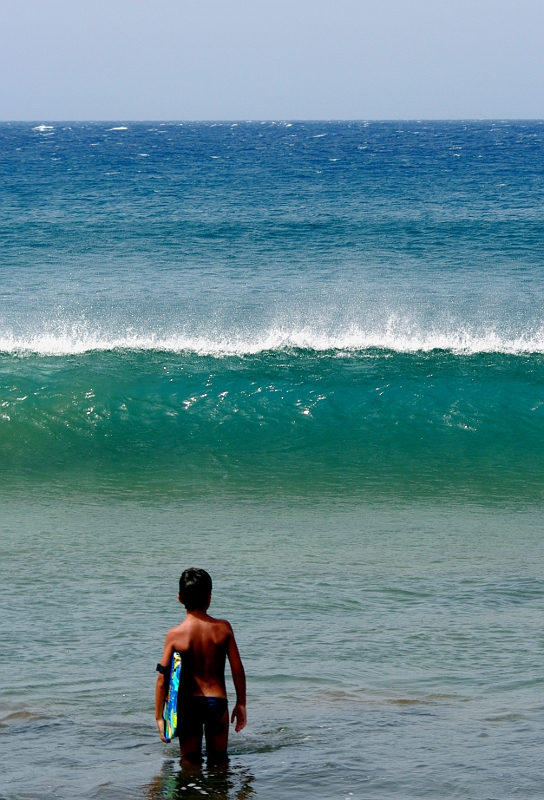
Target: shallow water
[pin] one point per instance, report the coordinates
(390, 651)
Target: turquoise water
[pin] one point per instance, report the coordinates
(308, 357)
(295, 422)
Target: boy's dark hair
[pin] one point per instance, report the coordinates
(195, 586)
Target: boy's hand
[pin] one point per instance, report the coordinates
(160, 726)
(240, 715)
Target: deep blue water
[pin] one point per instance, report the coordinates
(310, 357)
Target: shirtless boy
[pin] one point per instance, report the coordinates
(204, 643)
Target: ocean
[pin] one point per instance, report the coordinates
(308, 357)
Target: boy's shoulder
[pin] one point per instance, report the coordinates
(219, 622)
(185, 627)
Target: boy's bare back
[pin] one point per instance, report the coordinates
(204, 643)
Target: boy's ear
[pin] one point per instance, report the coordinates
(180, 600)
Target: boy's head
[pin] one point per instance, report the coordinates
(195, 588)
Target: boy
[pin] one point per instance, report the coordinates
(204, 644)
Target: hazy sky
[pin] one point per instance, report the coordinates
(271, 59)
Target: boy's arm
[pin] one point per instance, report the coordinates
(161, 688)
(239, 679)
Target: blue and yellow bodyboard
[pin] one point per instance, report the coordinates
(170, 710)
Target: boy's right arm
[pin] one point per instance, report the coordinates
(239, 679)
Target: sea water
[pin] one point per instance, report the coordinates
(308, 357)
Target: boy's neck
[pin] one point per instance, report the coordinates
(198, 613)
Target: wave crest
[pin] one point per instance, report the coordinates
(393, 338)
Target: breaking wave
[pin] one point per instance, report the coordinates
(394, 337)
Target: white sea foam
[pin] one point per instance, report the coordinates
(42, 128)
(393, 337)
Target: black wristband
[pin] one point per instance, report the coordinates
(163, 670)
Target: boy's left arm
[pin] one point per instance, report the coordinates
(161, 687)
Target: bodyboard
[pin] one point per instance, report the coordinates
(170, 710)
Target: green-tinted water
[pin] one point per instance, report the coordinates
(297, 422)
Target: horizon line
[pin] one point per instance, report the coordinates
(278, 120)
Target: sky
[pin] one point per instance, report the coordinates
(271, 59)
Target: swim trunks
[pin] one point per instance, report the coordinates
(202, 710)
